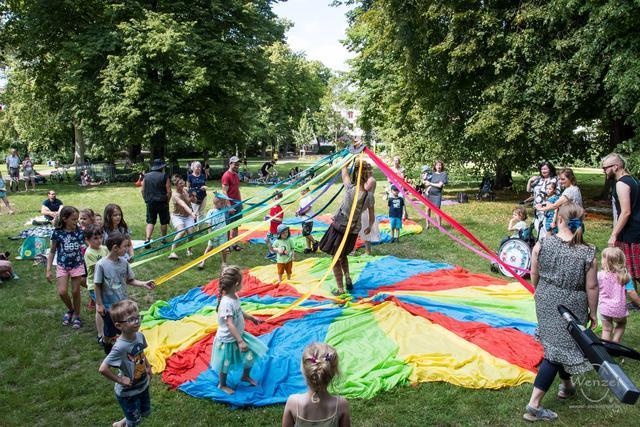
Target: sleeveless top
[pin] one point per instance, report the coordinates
(155, 187)
(612, 299)
(331, 421)
(631, 231)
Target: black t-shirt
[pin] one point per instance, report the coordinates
(264, 170)
(53, 206)
(631, 231)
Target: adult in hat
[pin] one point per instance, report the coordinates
(156, 191)
(231, 189)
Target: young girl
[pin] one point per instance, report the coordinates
(612, 301)
(3, 194)
(66, 242)
(317, 407)
(283, 247)
(232, 345)
(217, 219)
(518, 221)
(86, 218)
(114, 221)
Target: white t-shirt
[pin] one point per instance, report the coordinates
(573, 194)
(519, 226)
(229, 307)
(303, 203)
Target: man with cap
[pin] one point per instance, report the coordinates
(156, 191)
(231, 189)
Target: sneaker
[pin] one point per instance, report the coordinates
(76, 323)
(539, 414)
(307, 250)
(66, 319)
(173, 255)
(147, 244)
(14, 276)
(189, 253)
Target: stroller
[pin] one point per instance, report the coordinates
(486, 189)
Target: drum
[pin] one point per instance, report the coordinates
(515, 253)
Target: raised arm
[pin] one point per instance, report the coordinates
(346, 179)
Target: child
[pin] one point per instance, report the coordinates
(612, 301)
(114, 221)
(276, 215)
(217, 219)
(232, 345)
(111, 277)
(551, 216)
(396, 209)
(317, 406)
(3, 194)
(306, 213)
(86, 218)
(94, 253)
(283, 248)
(66, 241)
(127, 355)
(518, 223)
(6, 268)
(97, 220)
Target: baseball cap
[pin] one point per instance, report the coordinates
(234, 159)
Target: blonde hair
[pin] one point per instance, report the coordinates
(122, 310)
(229, 277)
(319, 365)
(614, 261)
(618, 158)
(572, 211)
(521, 211)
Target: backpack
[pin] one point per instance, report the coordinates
(32, 247)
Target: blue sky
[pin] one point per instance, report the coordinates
(317, 31)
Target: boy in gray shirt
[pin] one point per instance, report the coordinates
(127, 355)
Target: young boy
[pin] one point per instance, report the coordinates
(217, 219)
(127, 355)
(112, 275)
(277, 216)
(305, 212)
(396, 209)
(94, 253)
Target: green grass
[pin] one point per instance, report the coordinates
(49, 373)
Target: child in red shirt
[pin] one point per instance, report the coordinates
(277, 216)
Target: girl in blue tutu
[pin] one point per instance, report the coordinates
(232, 345)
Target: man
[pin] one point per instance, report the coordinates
(231, 189)
(266, 168)
(13, 169)
(156, 191)
(626, 196)
(51, 207)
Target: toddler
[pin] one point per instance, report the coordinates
(550, 216)
(518, 221)
(283, 248)
(276, 215)
(305, 212)
(612, 301)
(217, 218)
(396, 209)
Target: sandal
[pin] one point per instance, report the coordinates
(76, 323)
(539, 414)
(337, 292)
(189, 253)
(66, 319)
(237, 248)
(565, 392)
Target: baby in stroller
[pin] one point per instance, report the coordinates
(486, 189)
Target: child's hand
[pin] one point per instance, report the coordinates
(257, 321)
(150, 284)
(48, 275)
(100, 309)
(125, 381)
(243, 346)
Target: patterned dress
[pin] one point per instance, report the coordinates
(563, 270)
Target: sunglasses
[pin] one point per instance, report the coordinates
(604, 168)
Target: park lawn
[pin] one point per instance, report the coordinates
(49, 376)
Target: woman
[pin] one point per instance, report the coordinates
(332, 238)
(374, 234)
(182, 215)
(537, 186)
(435, 187)
(28, 173)
(198, 188)
(563, 270)
(570, 193)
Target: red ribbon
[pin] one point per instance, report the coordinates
(455, 224)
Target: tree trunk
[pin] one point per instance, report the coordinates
(133, 152)
(619, 133)
(503, 176)
(158, 145)
(263, 148)
(78, 142)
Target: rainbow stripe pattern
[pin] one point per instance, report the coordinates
(409, 321)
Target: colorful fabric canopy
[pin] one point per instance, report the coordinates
(320, 225)
(409, 321)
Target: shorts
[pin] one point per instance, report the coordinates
(158, 209)
(78, 271)
(3, 194)
(92, 295)
(135, 407)
(109, 329)
(612, 319)
(180, 222)
(632, 252)
(218, 240)
(28, 173)
(233, 217)
(14, 173)
(395, 222)
(307, 228)
(282, 267)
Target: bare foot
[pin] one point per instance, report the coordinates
(226, 389)
(121, 423)
(249, 380)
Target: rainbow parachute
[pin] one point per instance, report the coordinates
(409, 321)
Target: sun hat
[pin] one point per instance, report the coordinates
(157, 165)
